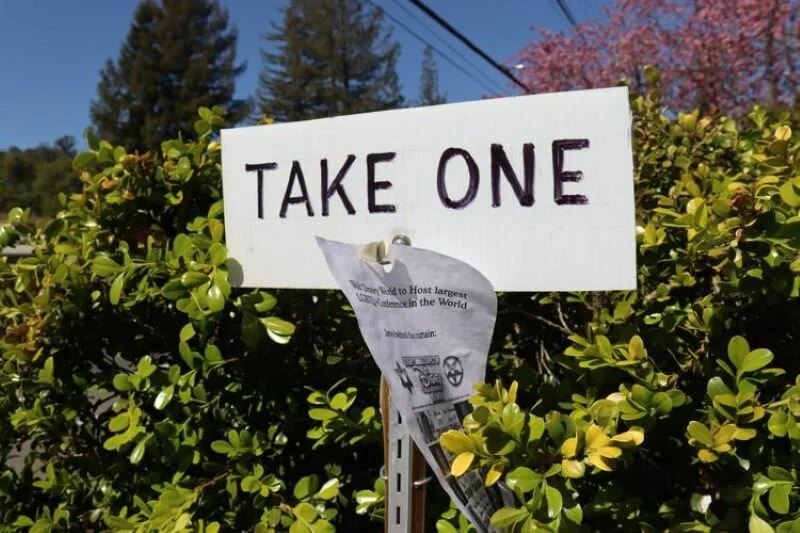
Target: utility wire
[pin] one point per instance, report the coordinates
(472, 46)
(567, 12)
(449, 46)
(422, 39)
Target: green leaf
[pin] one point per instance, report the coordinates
(104, 266)
(756, 360)
(173, 290)
(119, 422)
(138, 452)
(212, 354)
(218, 254)
(738, 350)
(193, 279)
(121, 382)
(91, 139)
(187, 332)
(83, 159)
(443, 526)
(758, 525)
(323, 526)
(329, 490)
(682, 162)
(456, 442)
(202, 127)
(321, 414)
(278, 330)
(186, 354)
(181, 244)
(778, 423)
(779, 498)
(604, 345)
(145, 368)
(205, 113)
(22, 521)
(700, 502)
(305, 487)
(788, 194)
(716, 386)
(46, 373)
(222, 446)
(536, 427)
(116, 288)
(776, 473)
(250, 484)
(215, 299)
(636, 348)
(574, 514)
(662, 402)
(554, 501)
(523, 478)
(267, 302)
(508, 516)
(164, 397)
(278, 326)
(339, 401)
(700, 433)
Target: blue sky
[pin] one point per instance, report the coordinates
(53, 50)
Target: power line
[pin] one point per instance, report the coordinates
(472, 46)
(422, 39)
(562, 4)
(449, 46)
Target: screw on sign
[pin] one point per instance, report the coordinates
(453, 370)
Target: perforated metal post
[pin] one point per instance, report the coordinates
(405, 470)
(399, 489)
(404, 465)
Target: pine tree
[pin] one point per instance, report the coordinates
(178, 55)
(332, 57)
(429, 81)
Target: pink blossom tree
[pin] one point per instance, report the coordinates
(715, 54)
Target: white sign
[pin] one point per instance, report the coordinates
(535, 191)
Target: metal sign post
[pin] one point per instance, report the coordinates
(404, 465)
(405, 472)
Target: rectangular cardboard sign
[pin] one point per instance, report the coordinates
(536, 192)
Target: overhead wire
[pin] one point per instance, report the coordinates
(434, 48)
(567, 12)
(464, 39)
(452, 48)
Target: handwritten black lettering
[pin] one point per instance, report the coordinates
(259, 169)
(441, 178)
(560, 175)
(500, 164)
(373, 186)
(296, 174)
(336, 186)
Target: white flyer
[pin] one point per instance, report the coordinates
(428, 320)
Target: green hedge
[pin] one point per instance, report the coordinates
(140, 392)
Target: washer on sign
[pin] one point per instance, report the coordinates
(453, 370)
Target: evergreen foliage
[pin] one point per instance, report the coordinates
(330, 57)
(429, 81)
(33, 177)
(179, 55)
